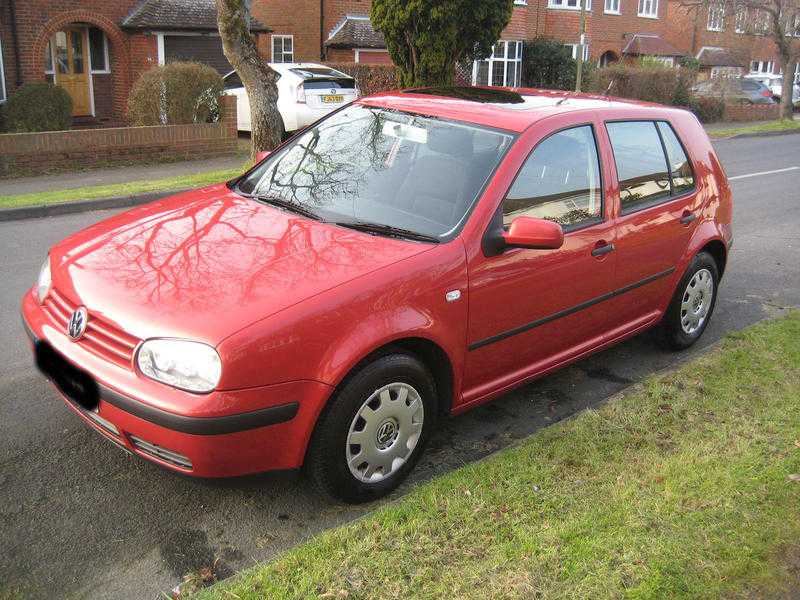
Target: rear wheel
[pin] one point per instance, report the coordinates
(374, 430)
(693, 303)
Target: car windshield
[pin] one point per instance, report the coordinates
(383, 167)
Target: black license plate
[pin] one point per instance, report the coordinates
(76, 384)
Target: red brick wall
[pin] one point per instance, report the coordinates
(757, 112)
(299, 18)
(35, 153)
(687, 30)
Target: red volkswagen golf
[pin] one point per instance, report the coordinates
(413, 255)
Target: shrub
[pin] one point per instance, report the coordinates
(653, 82)
(174, 94)
(38, 107)
(689, 62)
(707, 109)
(370, 79)
(548, 63)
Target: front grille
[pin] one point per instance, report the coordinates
(101, 338)
(169, 456)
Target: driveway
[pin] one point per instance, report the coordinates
(80, 518)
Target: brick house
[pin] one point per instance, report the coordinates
(95, 49)
(725, 44)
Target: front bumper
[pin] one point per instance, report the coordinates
(223, 434)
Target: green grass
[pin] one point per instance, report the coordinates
(679, 488)
(119, 189)
(782, 125)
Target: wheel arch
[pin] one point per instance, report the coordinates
(716, 248)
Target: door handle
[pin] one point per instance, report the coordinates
(688, 217)
(603, 250)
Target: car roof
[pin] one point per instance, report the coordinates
(512, 109)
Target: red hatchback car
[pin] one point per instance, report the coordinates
(412, 255)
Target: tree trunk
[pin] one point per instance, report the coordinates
(233, 18)
(787, 87)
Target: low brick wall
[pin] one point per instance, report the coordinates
(37, 153)
(752, 112)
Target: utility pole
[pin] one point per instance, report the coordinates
(581, 46)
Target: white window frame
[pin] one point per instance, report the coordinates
(574, 50)
(94, 71)
(565, 4)
(504, 59)
(716, 17)
(612, 7)
(763, 67)
(741, 21)
(648, 9)
(3, 96)
(521, 2)
(283, 38)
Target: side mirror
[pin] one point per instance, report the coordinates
(538, 234)
(262, 155)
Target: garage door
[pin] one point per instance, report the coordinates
(205, 49)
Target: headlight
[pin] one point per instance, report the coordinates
(182, 364)
(44, 281)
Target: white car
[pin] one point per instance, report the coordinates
(775, 85)
(306, 92)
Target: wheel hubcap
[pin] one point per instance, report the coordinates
(384, 432)
(696, 301)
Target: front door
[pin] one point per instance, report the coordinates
(532, 310)
(72, 70)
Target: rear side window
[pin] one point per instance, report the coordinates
(680, 170)
(641, 164)
(560, 181)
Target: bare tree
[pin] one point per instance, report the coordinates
(233, 19)
(778, 19)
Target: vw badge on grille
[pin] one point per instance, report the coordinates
(77, 323)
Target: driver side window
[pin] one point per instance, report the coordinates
(560, 181)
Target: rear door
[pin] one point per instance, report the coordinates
(658, 206)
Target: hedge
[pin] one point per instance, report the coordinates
(38, 107)
(177, 93)
(652, 83)
(370, 79)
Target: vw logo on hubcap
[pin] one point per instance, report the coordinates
(386, 434)
(77, 323)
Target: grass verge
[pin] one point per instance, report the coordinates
(781, 125)
(119, 189)
(683, 487)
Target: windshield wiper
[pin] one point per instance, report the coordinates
(287, 204)
(388, 230)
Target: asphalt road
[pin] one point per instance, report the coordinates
(80, 518)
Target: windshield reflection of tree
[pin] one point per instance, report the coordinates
(329, 165)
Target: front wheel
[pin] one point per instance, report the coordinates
(693, 303)
(374, 430)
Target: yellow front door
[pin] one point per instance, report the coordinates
(72, 70)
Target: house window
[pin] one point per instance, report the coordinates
(568, 4)
(573, 48)
(98, 51)
(648, 8)
(282, 48)
(2, 75)
(503, 67)
(611, 7)
(762, 66)
(741, 20)
(797, 73)
(760, 22)
(716, 17)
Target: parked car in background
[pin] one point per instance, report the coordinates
(734, 89)
(411, 256)
(775, 85)
(306, 92)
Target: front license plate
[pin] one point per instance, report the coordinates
(332, 99)
(76, 384)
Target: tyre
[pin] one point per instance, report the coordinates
(692, 305)
(374, 430)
